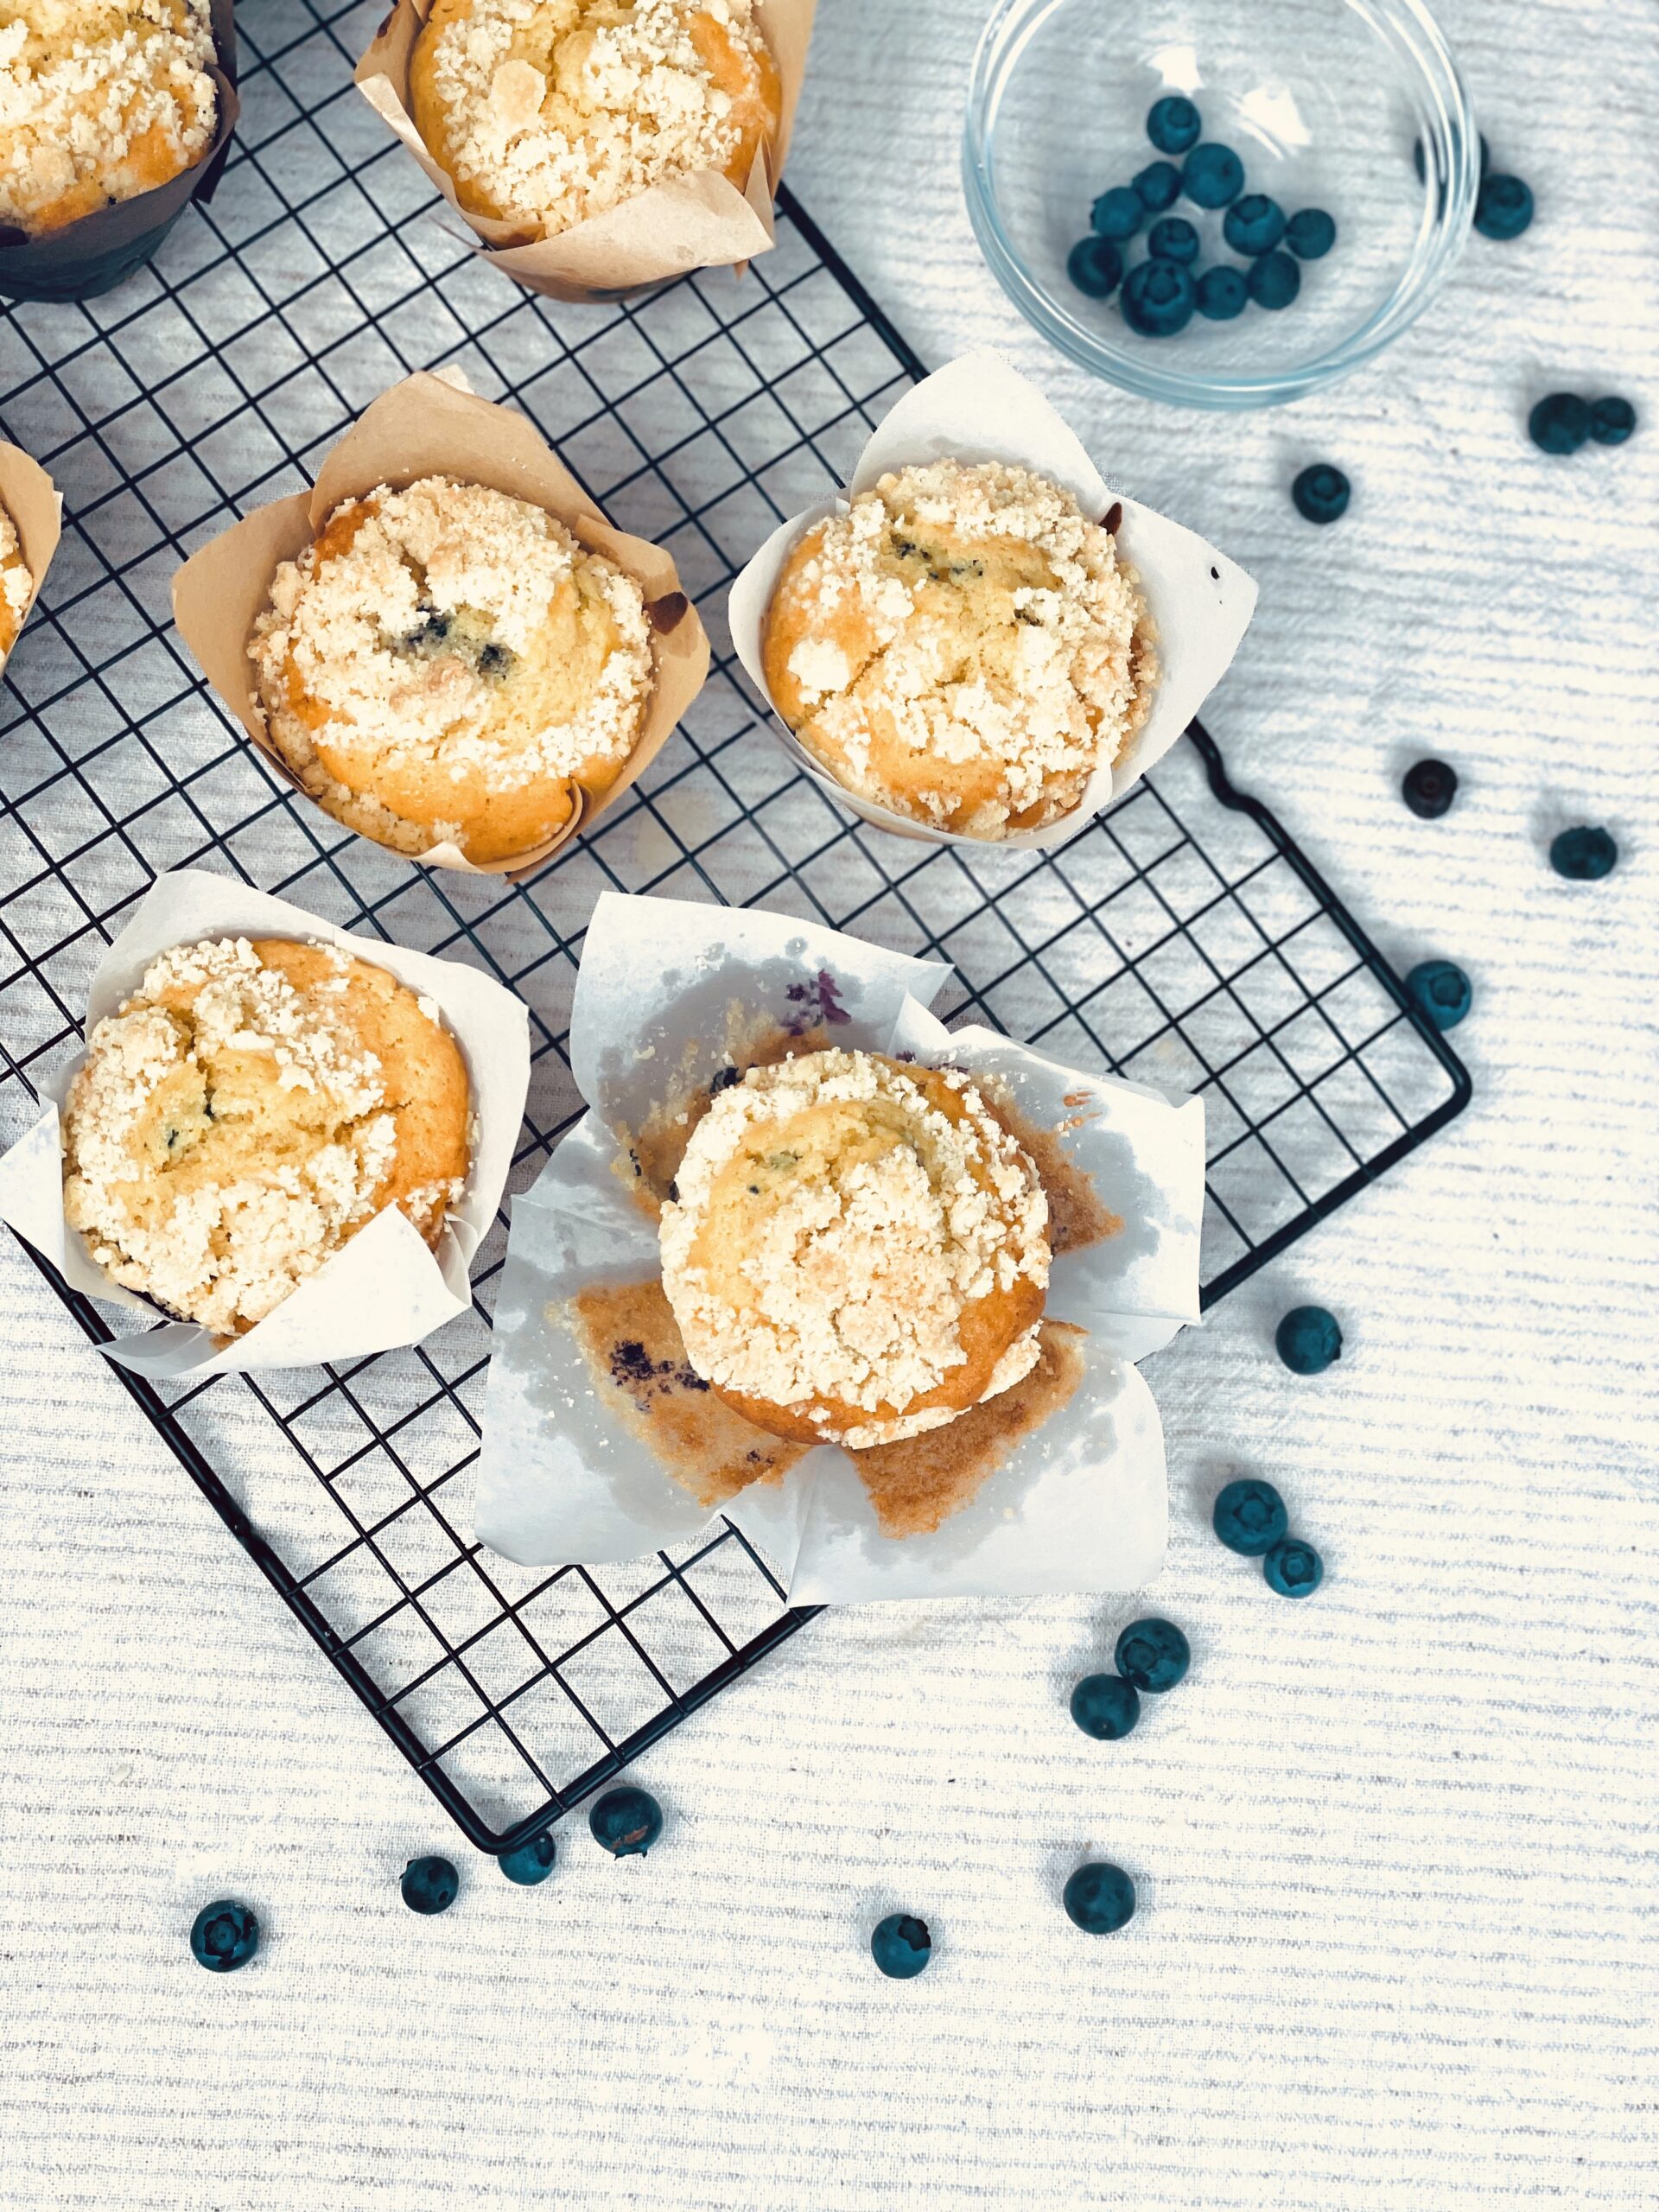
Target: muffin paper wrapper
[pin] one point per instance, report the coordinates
(1079, 1504)
(701, 221)
(386, 1287)
(431, 426)
(977, 410)
(36, 505)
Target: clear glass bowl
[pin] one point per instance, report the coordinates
(1321, 100)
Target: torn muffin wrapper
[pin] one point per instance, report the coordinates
(387, 1286)
(979, 409)
(36, 505)
(1078, 1504)
(428, 426)
(701, 221)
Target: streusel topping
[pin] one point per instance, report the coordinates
(16, 584)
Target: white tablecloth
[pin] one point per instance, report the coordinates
(1398, 1944)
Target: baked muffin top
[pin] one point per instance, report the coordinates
(99, 101)
(963, 646)
(15, 585)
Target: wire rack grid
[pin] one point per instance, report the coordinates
(1183, 939)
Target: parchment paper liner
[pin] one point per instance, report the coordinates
(426, 426)
(1081, 1504)
(386, 1287)
(980, 408)
(93, 254)
(696, 222)
(36, 505)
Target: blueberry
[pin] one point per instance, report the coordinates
(1174, 124)
(224, 1936)
(1254, 224)
(430, 1885)
(1444, 993)
(626, 1820)
(1308, 1340)
(1105, 1706)
(1154, 1655)
(1311, 233)
(1612, 421)
(1429, 787)
(1274, 280)
(1321, 493)
(1249, 1517)
(1095, 267)
(1504, 207)
(1293, 1568)
(1222, 293)
(1159, 297)
(1212, 176)
(1099, 1898)
(1158, 185)
(1118, 213)
(1559, 423)
(1584, 855)
(901, 1945)
(1173, 240)
(531, 1863)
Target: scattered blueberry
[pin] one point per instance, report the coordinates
(1254, 224)
(1118, 213)
(1311, 233)
(1099, 1898)
(1094, 266)
(1584, 855)
(1429, 787)
(1612, 421)
(531, 1863)
(1223, 293)
(1559, 423)
(1444, 992)
(1173, 124)
(626, 1820)
(1105, 1706)
(1504, 209)
(224, 1936)
(1173, 240)
(1159, 297)
(1308, 1340)
(1212, 176)
(430, 1885)
(1154, 1655)
(901, 1945)
(1321, 493)
(1274, 280)
(1249, 1517)
(1158, 185)
(1293, 1568)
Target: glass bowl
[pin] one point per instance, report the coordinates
(1321, 100)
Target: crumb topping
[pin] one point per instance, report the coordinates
(15, 585)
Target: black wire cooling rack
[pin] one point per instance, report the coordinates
(1183, 938)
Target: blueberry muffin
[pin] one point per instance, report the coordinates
(99, 101)
(15, 585)
(856, 1250)
(546, 112)
(963, 646)
(246, 1111)
(448, 663)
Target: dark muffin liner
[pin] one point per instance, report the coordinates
(95, 254)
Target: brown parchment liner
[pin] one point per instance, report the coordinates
(698, 222)
(107, 231)
(36, 505)
(427, 426)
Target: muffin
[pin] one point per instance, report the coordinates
(99, 102)
(545, 112)
(15, 585)
(962, 647)
(246, 1111)
(855, 1250)
(447, 664)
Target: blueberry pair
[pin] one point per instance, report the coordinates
(1151, 1655)
(1564, 423)
(1249, 1517)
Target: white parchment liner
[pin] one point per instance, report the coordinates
(1078, 1505)
(980, 408)
(386, 1287)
